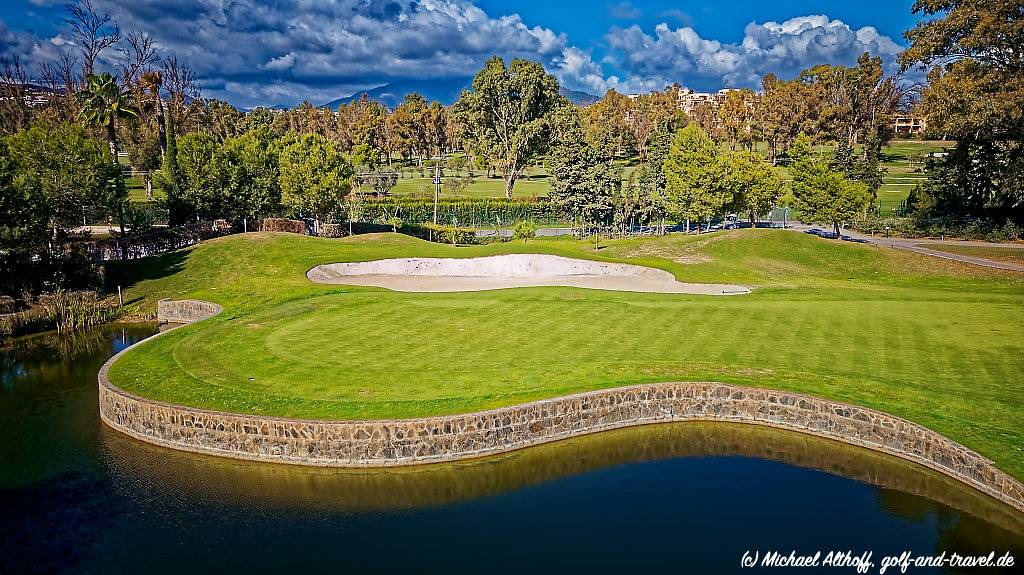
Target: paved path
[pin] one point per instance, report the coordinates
(917, 246)
(910, 245)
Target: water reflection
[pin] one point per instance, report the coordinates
(286, 486)
(77, 495)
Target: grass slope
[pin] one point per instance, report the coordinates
(996, 254)
(935, 341)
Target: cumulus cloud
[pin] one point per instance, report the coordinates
(313, 45)
(253, 52)
(682, 55)
(29, 48)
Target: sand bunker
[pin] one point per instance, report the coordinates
(509, 271)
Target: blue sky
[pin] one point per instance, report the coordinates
(253, 52)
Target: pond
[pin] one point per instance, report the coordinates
(78, 497)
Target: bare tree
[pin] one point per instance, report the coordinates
(92, 31)
(180, 81)
(138, 55)
(60, 75)
(15, 108)
(182, 88)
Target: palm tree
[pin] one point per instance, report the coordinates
(103, 104)
(150, 104)
(151, 82)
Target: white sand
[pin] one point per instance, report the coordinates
(509, 271)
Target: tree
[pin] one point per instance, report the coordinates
(201, 175)
(864, 166)
(511, 107)
(169, 175)
(822, 195)
(605, 123)
(49, 175)
(16, 110)
(693, 176)
(104, 103)
(409, 127)
(459, 177)
(643, 198)
(364, 122)
(705, 117)
(225, 120)
(656, 112)
(93, 32)
(61, 171)
(584, 183)
(252, 186)
(754, 184)
(736, 117)
(855, 101)
(150, 83)
(975, 94)
(436, 124)
(785, 109)
(23, 213)
(315, 177)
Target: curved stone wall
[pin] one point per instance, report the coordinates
(185, 310)
(452, 437)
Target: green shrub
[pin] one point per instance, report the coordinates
(450, 234)
(524, 230)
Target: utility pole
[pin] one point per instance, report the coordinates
(437, 189)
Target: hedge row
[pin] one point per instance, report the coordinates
(471, 213)
(157, 241)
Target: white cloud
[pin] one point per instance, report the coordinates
(786, 48)
(625, 11)
(254, 52)
(311, 45)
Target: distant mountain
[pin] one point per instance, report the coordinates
(578, 97)
(445, 90)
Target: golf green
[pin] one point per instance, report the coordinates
(934, 341)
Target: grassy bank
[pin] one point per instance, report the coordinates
(935, 341)
(996, 254)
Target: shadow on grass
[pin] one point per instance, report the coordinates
(128, 273)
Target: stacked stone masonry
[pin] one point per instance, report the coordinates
(185, 310)
(451, 437)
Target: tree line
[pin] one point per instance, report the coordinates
(215, 161)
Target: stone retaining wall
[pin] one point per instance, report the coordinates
(452, 437)
(185, 310)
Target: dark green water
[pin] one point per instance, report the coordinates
(77, 497)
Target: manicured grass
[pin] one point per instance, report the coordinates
(902, 160)
(935, 341)
(996, 254)
(137, 190)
